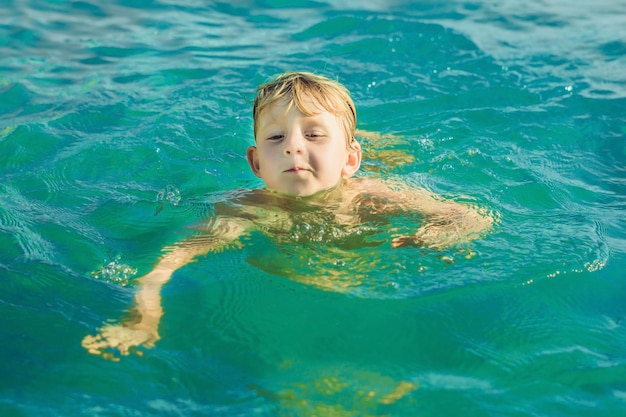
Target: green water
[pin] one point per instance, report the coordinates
(122, 123)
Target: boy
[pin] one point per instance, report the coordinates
(306, 153)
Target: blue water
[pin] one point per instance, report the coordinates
(121, 122)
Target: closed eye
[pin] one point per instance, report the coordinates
(275, 137)
(315, 135)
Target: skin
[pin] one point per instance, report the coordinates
(303, 159)
(301, 155)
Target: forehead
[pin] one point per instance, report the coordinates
(307, 106)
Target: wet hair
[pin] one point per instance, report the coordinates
(296, 87)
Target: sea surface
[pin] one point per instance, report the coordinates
(123, 122)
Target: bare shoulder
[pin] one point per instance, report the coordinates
(391, 189)
(399, 196)
(447, 222)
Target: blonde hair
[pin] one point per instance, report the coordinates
(295, 87)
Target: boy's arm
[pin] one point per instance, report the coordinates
(446, 222)
(451, 224)
(141, 329)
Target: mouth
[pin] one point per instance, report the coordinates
(295, 170)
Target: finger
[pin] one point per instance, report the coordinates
(403, 241)
(87, 341)
(136, 351)
(110, 357)
(94, 351)
(93, 344)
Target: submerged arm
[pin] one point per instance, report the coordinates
(452, 224)
(446, 222)
(141, 328)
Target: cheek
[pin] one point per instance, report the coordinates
(265, 154)
(338, 158)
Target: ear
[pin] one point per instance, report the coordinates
(253, 160)
(354, 160)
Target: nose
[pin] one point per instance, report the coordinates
(294, 144)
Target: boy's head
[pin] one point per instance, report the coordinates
(304, 128)
(302, 89)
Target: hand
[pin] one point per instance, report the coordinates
(139, 329)
(439, 234)
(402, 241)
(427, 236)
(116, 340)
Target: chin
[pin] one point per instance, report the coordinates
(296, 193)
(301, 193)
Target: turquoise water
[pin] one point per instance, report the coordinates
(121, 122)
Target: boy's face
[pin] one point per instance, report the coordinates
(301, 155)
